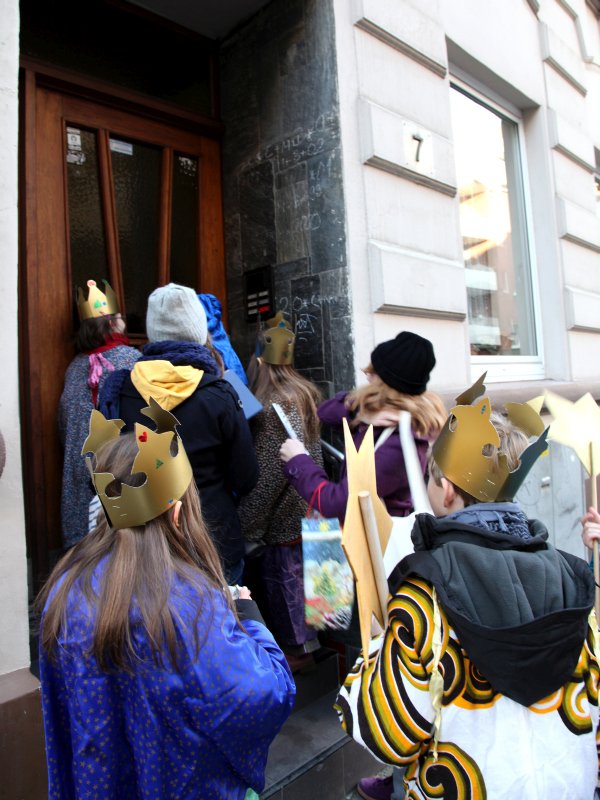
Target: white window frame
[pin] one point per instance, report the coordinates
(510, 368)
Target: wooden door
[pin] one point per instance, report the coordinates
(109, 194)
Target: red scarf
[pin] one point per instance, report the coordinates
(112, 340)
(98, 363)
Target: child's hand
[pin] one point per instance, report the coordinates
(591, 527)
(291, 448)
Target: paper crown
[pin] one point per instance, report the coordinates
(98, 304)
(459, 449)
(161, 457)
(278, 338)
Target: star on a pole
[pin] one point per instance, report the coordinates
(362, 478)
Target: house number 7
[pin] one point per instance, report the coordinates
(419, 139)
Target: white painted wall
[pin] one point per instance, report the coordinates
(14, 626)
(542, 59)
(404, 248)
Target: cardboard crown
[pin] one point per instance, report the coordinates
(461, 451)
(98, 303)
(161, 458)
(279, 339)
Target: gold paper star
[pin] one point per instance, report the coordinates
(361, 477)
(577, 425)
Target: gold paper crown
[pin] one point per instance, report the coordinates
(459, 449)
(98, 304)
(168, 474)
(279, 341)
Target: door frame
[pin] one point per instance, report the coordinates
(45, 305)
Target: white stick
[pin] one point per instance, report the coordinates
(370, 523)
(284, 420)
(414, 471)
(596, 563)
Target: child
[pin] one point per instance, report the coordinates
(151, 686)
(272, 514)
(591, 527)
(398, 376)
(485, 681)
(103, 347)
(178, 369)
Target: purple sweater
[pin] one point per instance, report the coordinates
(392, 481)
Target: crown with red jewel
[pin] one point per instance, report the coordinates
(161, 458)
(98, 303)
(464, 449)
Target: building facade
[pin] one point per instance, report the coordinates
(362, 165)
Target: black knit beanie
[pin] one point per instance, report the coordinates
(404, 363)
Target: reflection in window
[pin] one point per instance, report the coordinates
(492, 222)
(136, 171)
(86, 226)
(184, 220)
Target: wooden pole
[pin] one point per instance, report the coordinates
(594, 499)
(370, 523)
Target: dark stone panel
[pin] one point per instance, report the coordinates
(257, 215)
(283, 194)
(335, 292)
(342, 352)
(291, 207)
(233, 245)
(317, 375)
(326, 204)
(269, 92)
(318, 134)
(292, 269)
(307, 320)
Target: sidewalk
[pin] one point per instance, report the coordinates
(383, 774)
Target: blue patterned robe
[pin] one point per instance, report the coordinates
(203, 732)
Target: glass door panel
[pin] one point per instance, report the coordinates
(184, 220)
(136, 170)
(86, 226)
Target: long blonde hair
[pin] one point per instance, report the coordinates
(141, 564)
(269, 379)
(427, 410)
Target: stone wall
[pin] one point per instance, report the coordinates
(283, 196)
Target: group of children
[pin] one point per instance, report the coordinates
(160, 681)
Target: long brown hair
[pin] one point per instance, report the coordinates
(295, 390)
(427, 410)
(140, 567)
(215, 353)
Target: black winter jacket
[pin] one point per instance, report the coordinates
(219, 445)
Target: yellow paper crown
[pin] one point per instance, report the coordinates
(279, 341)
(98, 304)
(459, 449)
(161, 457)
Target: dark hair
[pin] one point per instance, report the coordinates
(140, 567)
(93, 333)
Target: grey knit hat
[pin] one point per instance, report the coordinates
(175, 312)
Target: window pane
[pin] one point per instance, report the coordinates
(492, 221)
(86, 228)
(184, 221)
(136, 173)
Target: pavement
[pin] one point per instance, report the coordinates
(383, 774)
